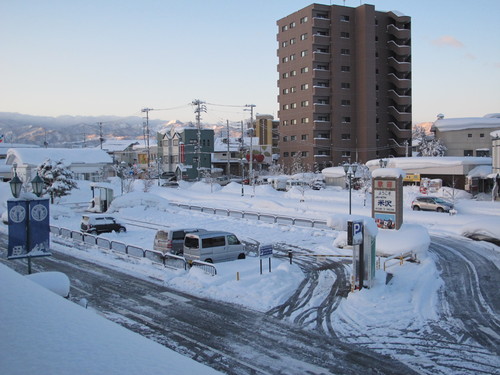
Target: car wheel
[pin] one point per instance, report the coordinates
(439, 209)
(241, 256)
(93, 232)
(416, 208)
(121, 230)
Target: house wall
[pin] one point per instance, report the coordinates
(495, 154)
(467, 142)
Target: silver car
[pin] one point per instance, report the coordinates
(172, 241)
(431, 204)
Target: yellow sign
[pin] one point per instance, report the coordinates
(412, 177)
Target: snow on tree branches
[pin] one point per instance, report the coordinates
(58, 178)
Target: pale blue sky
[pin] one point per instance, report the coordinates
(114, 57)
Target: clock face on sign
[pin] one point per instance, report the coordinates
(17, 214)
(39, 212)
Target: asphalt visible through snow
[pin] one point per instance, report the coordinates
(297, 337)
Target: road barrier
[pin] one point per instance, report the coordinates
(205, 266)
(410, 256)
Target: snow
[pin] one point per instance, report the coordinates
(43, 333)
(57, 282)
(449, 124)
(388, 173)
(425, 162)
(410, 299)
(34, 156)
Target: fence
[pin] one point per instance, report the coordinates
(268, 218)
(408, 256)
(167, 259)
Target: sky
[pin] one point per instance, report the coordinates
(115, 57)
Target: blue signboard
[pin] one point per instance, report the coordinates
(18, 236)
(38, 229)
(265, 251)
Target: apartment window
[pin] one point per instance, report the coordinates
(304, 120)
(285, 75)
(322, 15)
(284, 44)
(293, 138)
(345, 102)
(344, 18)
(324, 152)
(469, 135)
(303, 36)
(344, 34)
(303, 53)
(305, 69)
(285, 139)
(345, 85)
(304, 86)
(293, 73)
(292, 57)
(285, 91)
(324, 135)
(322, 84)
(293, 153)
(292, 25)
(483, 153)
(303, 20)
(284, 59)
(285, 154)
(346, 154)
(346, 120)
(345, 68)
(284, 28)
(293, 122)
(285, 107)
(293, 105)
(322, 67)
(304, 153)
(323, 118)
(304, 103)
(292, 41)
(468, 153)
(481, 135)
(346, 137)
(304, 137)
(293, 89)
(285, 122)
(345, 51)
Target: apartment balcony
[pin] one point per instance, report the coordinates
(323, 57)
(321, 39)
(399, 49)
(399, 99)
(400, 66)
(322, 142)
(399, 116)
(320, 22)
(398, 132)
(322, 125)
(400, 17)
(321, 90)
(321, 74)
(398, 33)
(400, 83)
(399, 148)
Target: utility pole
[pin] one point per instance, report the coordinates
(146, 133)
(228, 168)
(200, 107)
(241, 161)
(250, 171)
(101, 139)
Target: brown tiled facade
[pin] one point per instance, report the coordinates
(344, 85)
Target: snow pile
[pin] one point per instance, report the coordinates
(46, 334)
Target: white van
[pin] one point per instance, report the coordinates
(212, 247)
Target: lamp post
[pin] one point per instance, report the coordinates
(350, 171)
(15, 183)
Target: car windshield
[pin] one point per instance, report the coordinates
(442, 201)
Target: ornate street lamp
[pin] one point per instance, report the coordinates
(15, 183)
(350, 171)
(37, 184)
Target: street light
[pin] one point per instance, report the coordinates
(15, 183)
(350, 171)
(37, 184)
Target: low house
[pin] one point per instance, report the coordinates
(86, 164)
(467, 136)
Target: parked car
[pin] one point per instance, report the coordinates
(172, 241)
(431, 204)
(96, 224)
(212, 247)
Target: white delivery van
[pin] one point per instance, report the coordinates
(213, 247)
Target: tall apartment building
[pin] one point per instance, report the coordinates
(344, 85)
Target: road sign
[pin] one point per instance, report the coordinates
(354, 232)
(265, 251)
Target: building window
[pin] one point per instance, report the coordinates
(285, 122)
(469, 135)
(322, 67)
(293, 105)
(292, 41)
(285, 139)
(345, 102)
(285, 91)
(481, 135)
(304, 103)
(284, 44)
(344, 34)
(292, 25)
(346, 120)
(303, 53)
(346, 137)
(304, 137)
(303, 36)
(322, 15)
(304, 120)
(346, 154)
(345, 51)
(304, 69)
(304, 86)
(293, 153)
(303, 20)
(285, 75)
(293, 138)
(293, 73)
(293, 122)
(285, 154)
(284, 28)
(344, 18)
(345, 68)
(468, 153)
(292, 57)
(483, 153)
(345, 85)
(284, 59)
(293, 89)
(324, 152)
(305, 153)
(323, 118)
(285, 107)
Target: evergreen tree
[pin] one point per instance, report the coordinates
(58, 178)
(428, 145)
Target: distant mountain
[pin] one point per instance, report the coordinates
(74, 131)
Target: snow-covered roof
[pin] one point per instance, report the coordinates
(388, 172)
(333, 172)
(430, 162)
(234, 143)
(482, 171)
(449, 124)
(495, 134)
(114, 145)
(36, 156)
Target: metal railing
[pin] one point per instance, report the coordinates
(205, 267)
(269, 218)
(410, 256)
(166, 259)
